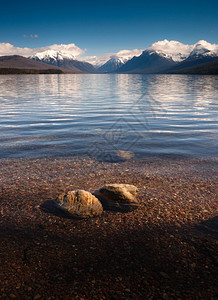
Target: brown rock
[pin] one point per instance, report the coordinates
(80, 204)
(118, 196)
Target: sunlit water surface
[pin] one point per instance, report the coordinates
(96, 115)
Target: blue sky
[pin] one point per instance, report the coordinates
(107, 26)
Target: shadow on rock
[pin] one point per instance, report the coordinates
(51, 207)
(121, 208)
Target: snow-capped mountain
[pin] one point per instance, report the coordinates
(112, 64)
(179, 52)
(148, 62)
(64, 60)
(203, 48)
(171, 49)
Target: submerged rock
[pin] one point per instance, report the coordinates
(120, 197)
(79, 204)
(115, 156)
(124, 155)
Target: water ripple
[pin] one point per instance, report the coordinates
(88, 114)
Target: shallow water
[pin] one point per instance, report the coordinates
(46, 115)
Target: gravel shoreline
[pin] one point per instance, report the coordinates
(166, 249)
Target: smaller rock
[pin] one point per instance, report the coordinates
(120, 197)
(79, 204)
(124, 155)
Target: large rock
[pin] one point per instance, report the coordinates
(120, 197)
(79, 204)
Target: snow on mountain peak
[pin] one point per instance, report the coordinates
(202, 43)
(57, 52)
(171, 49)
(204, 48)
(53, 54)
(115, 58)
(122, 55)
(70, 49)
(128, 54)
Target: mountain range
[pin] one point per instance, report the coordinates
(161, 57)
(174, 57)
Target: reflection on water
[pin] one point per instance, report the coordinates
(99, 114)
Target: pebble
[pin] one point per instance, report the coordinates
(164, 275)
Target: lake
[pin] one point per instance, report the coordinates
(98, 114)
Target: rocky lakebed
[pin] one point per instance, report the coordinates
(158, 240)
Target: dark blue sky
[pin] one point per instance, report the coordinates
(107, 26)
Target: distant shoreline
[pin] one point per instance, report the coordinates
(17, 71)
(9, 71)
